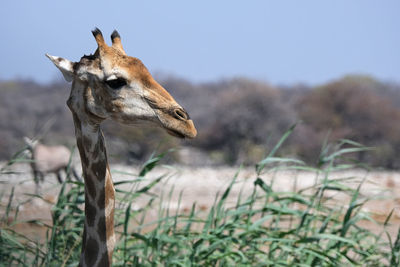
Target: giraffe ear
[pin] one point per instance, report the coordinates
(64, 65)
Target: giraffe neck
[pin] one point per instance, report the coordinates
(98, 235)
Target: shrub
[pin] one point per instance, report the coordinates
(351, 108)
(247, 115)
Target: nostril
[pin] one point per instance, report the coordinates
(181, 114)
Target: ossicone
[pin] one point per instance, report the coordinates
(99, 38)
(115, 35)
(96, 31)
(116, 42)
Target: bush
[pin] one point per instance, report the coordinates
(351, 108)
(246, 117)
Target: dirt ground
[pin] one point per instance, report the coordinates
(200, 185)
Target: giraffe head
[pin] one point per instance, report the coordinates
(121, 88)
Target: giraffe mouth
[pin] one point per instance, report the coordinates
(175, 133)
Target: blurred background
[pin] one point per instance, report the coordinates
(245, 72)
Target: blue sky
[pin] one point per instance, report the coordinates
(282, 41)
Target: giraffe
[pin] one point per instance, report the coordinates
(111, 85)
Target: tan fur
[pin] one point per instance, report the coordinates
(48, 160)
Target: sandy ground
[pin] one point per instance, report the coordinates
(200, 185)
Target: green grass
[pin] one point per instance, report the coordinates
(262, 228)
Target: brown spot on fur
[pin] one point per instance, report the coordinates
(104, 261)
(78, 127)
(90, 212)
(91, 251)
(101, 228)
(90, 185)
(99, 169)
(101, 201)
(102, 145)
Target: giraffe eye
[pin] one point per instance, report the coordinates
(116, 83)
